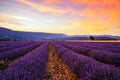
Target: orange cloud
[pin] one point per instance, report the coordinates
(93, 27)
(100, 14)
(43, 8)
(51, 1)
(5, 18)
(99, 8)
(96, 2)
(15, 17)
(9, 21)
(90, 25)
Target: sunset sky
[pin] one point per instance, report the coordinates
(78, 17)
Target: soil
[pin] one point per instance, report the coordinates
(57, 69)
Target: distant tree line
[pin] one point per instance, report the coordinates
(7, 39)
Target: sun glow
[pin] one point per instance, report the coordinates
(59, 16)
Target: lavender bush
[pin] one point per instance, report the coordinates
(86, 67)
(29, 67)
(100, 55)
(15, 53)
(15, 45)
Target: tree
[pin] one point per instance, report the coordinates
(92, 38)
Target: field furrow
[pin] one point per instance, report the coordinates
(57, 69)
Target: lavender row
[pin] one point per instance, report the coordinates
(108, 46)
(85, 67)
(100, 55)
(14, 46)
(15, 43)
(29, 67)
(105, 44)
(17, 52)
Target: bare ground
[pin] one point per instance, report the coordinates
(57, 69)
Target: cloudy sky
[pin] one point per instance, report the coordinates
(83, 17)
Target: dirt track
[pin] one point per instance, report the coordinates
(56, 69)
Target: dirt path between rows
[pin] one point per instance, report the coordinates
(57, 69)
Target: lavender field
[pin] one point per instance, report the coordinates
(59, 60)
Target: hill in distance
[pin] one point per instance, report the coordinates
(19, 35)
